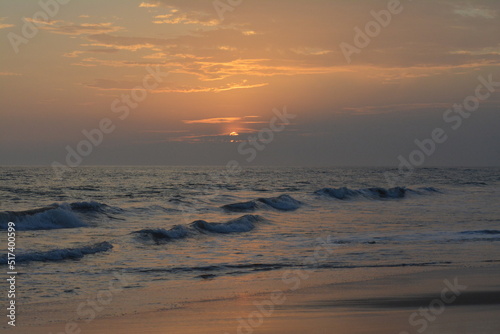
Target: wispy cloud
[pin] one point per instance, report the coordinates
(149, 5)
(5, 25)
(177, 18)
(106, 84)
(157, 55)
(217, 120)
(225, 120)
(127, 42)
(474, 11)
(77, 53)
(180, 14)
(79, 29)
(224, 88)
(43, 22)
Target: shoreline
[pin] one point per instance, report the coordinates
(384, 304)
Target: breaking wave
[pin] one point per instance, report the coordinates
(374, 193)
(242, 224)
(282, 203)
(54, 216)
(48, 218)
(62, 254)
(160, 235)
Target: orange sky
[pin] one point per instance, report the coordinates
(229, 65)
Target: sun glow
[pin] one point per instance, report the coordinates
(234, 134)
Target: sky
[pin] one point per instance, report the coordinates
(262, 82)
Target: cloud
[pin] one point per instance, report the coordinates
(252, 42)
(217, 120)
(495, 51)
(149, 5)
(103, 50)
(94, 62)
(179, 13)
(107, 84)
(210, 71)
(5, 25)
(42, 22)
(224, 88)
(73, 54)
(127, 42)
(80, 29)
(222, 138)
(225, 120)
(203, 134)
(177, 18)
(311, 51)
(77, 53)
(476, 12)
(157, 55)
(117, 85)
(207, 138)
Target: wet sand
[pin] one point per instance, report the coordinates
(452, 300)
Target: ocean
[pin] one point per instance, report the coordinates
(189, 234)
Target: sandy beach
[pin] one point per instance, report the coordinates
(454, 300)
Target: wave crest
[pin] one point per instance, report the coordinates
(374, 192)
(62, 254)
(48, 218)
(161, 235)
(282, 202)
(55, 216)
(242, 224)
